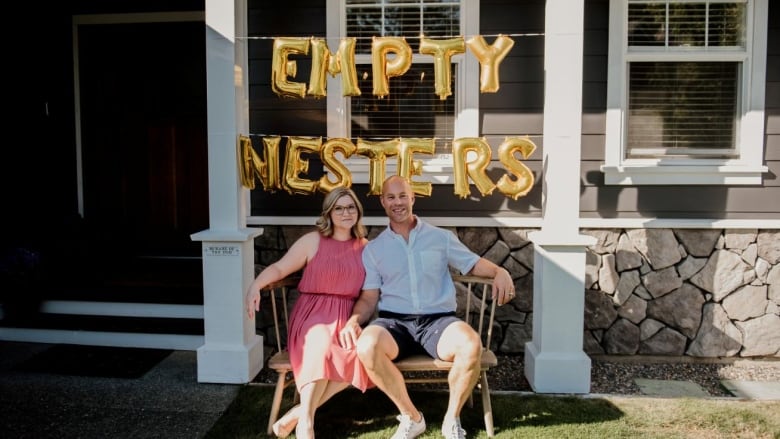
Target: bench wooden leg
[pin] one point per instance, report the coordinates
(281, 383)
(487, 407)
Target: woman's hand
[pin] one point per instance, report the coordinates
(252, 302)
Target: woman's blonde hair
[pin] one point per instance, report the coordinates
(324, 223)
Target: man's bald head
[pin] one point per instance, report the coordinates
(394, 180)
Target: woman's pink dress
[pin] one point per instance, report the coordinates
(329, 287)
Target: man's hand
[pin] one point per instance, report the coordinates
(349, 334)
(503, 286)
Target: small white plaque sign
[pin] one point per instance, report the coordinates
(221, 250)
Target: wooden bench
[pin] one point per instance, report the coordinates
(416, 369)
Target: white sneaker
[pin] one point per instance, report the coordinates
(408, 428)
(453, 431)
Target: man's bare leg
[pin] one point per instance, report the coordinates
(460, 344)
(376, 349)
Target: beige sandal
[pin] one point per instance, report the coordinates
(286, 424)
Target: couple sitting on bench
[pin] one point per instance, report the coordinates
(404, 273)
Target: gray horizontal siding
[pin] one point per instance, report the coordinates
(772, 148)
(270, 114)
(703, 201)
(299, 18)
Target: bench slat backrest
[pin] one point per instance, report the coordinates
(477, 287)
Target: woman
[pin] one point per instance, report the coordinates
(332, 277)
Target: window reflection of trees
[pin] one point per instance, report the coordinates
(430, 19)
(689, 24)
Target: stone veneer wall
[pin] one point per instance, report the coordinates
(701, 293)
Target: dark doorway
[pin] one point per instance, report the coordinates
(143, 131)
(144, 165)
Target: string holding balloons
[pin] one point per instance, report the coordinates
(383, 66)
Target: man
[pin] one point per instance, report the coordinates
(408, 278)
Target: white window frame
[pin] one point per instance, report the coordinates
(437, 169)
(744, 169)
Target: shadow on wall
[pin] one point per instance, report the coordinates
(654, 201)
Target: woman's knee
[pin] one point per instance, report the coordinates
(319, 336)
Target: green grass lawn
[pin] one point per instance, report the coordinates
(352, 414)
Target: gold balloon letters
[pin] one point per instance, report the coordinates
(474, 168)
(470, 155)
(295, 164)
(337, 168)
(383, 66)
(282, 67)
(322, 61)
(408, 167)
(377, 153)
(489, 58)
(383, 69)
(442, 51)
(251, 164)
(525, 178)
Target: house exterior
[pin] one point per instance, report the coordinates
(652, 226)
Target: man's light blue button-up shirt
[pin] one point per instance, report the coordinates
(414, 276)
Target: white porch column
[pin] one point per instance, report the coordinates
(232, 352)
(554, 359)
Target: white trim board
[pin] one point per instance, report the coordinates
(94, 338)
(123, 309)
(586, 223)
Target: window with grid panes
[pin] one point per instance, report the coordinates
(683, 92)
(412, 109)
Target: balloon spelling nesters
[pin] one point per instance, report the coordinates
(515, 183)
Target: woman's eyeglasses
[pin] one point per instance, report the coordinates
(341, 210)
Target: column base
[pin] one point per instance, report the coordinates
(230, 364)
(556, 372)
